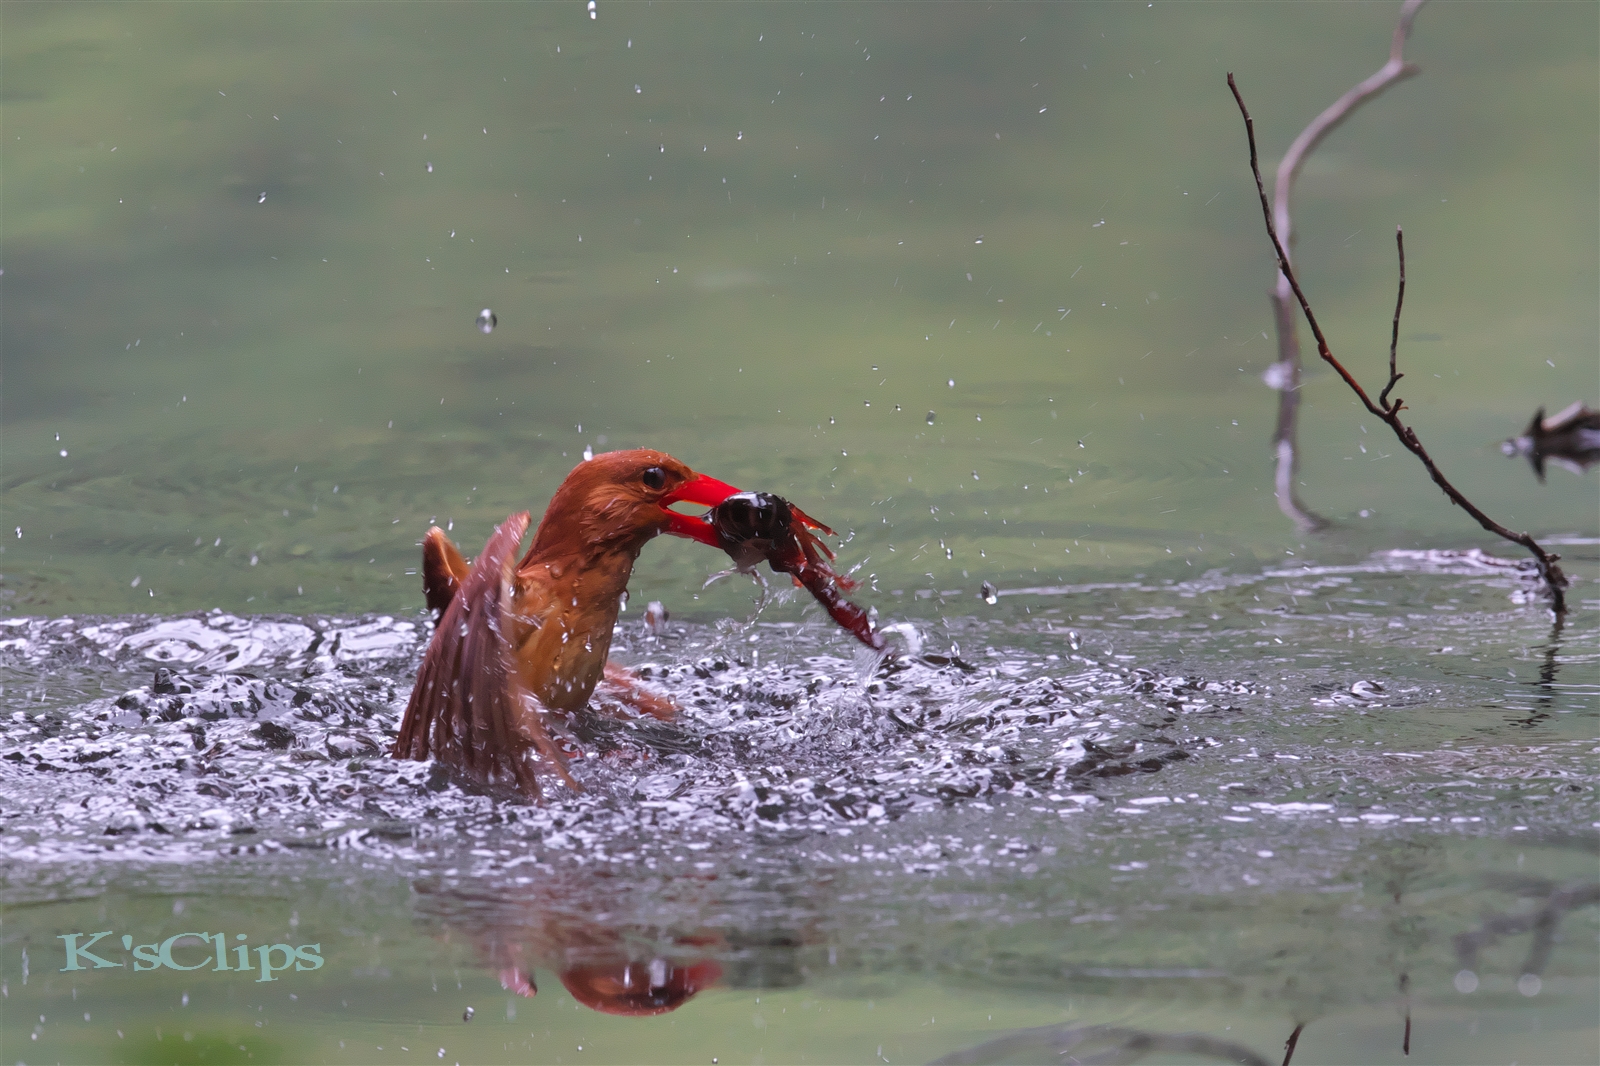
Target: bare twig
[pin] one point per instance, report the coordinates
(1290, 1044)
(1405, 997)
(1389, 412)
(1287, 375)
(1394, 336)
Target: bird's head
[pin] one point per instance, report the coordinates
(625, 498)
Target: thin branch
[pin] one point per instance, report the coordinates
(1405, 996)
(1399, 302)
(1555, 581)
(1290, 1044)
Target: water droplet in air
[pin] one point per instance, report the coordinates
(467, 1014)
(951, 383)
(487, 321)
(430, 168)
(975, 475)
(592, 12)
(262, 198)
(588, 453)
(930, 418)
(637, 89)
(63, 453)
(990, 594)
(1072, 640)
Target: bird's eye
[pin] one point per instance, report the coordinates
(654, 477)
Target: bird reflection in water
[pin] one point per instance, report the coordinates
(610, 967)
(582, 928)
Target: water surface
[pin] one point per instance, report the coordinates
(1193, 771)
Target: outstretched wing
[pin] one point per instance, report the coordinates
(467, 708)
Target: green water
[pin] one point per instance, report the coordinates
(244, 247)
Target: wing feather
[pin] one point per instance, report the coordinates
(468, 710)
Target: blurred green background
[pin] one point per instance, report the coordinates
(244, 247)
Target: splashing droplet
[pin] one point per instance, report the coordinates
(989, 593)
(487, 321)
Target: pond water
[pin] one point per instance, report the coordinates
(1191, 780)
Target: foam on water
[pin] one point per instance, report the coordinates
(1267, 741)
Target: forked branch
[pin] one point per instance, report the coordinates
(1385, 409)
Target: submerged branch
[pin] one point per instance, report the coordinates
(1389, 411)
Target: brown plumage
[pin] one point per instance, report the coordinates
(520, 642)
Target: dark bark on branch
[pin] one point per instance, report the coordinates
(1389, 410)
(1290, 1044)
